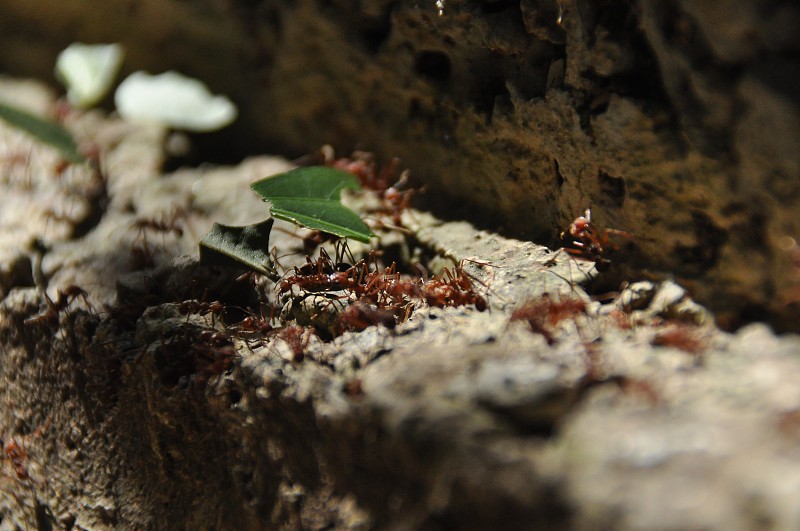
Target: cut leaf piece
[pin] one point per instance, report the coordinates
(247, 245)
(174, 100)
(88, 71)
(310, 197)
(44, 131)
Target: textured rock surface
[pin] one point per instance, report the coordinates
(676, 120)
(631, 416)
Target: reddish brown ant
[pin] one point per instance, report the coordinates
(397, 201)
(324, 274)
(297, 338)
(252, 323)
(201, 308)
(680, 336)
(387, 290)
(360, 316)
(258, 323)
(363, 166)
(196, 354)
(621, 319)
(164, 225)
(383, 182)
(55, 307)
(544, 313)
(16, 455)
(15, 451)
(258, 280)
(454, 287)
(214, 354)
(588, 242)
(142, 255)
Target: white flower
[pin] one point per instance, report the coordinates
(174, 100)
(88, 70)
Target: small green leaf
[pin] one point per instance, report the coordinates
(310, 197)
(45, 131)
(247, 245)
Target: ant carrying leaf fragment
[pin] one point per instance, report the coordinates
(310, 197)
(307, 196)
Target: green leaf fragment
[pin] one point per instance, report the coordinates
(247, 245)
(310, 197)
(45, 131)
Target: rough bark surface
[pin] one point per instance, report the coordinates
(636, 414)
(676, 120)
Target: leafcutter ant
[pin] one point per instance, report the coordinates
(167, 226)
(387, 290)
(363, 165)
(324, 274)
(14, 450)
(142, 255)
(680, 336)
(16, 455)
(297, 338)
(201, 308)
(586, 241)
(214, 354)
(453, 287)
(258, 323)
(252, 323)
(397, 201)
(544, 313)
(389, 189)
(55, 307)
(360, 316)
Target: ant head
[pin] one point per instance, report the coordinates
(580, 225)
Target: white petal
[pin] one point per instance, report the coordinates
(174, 100)
(88, 70)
